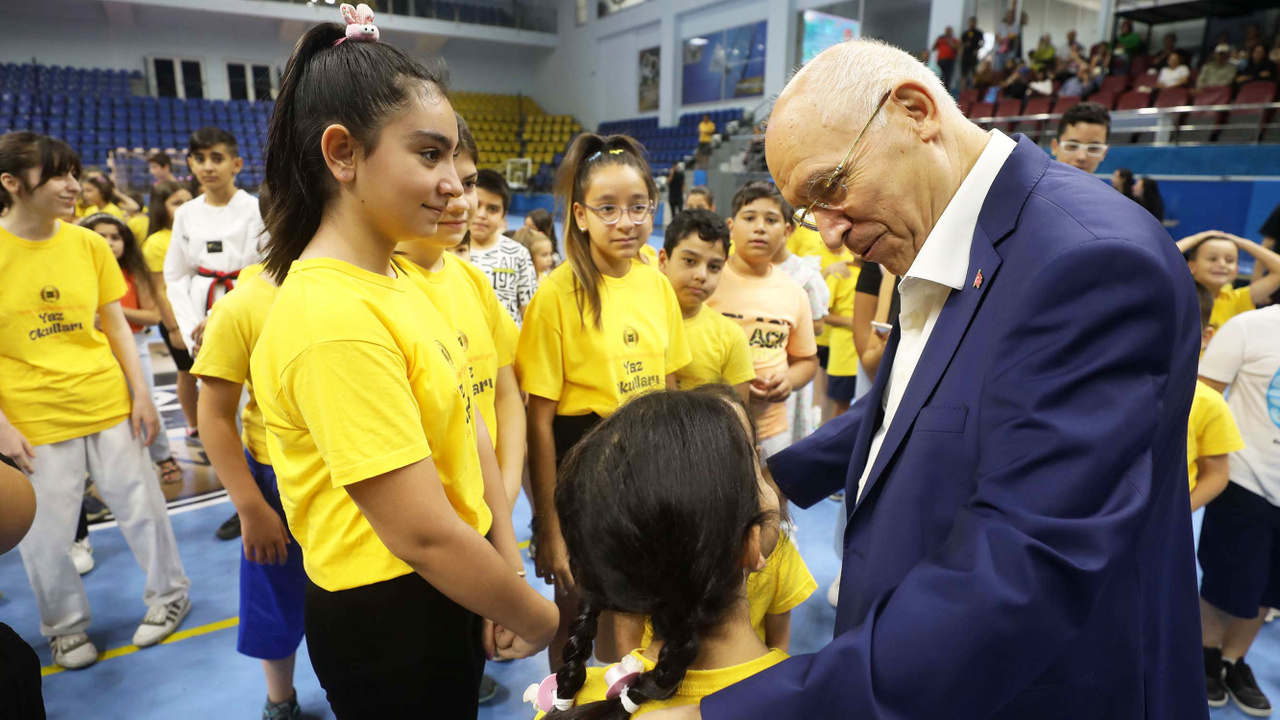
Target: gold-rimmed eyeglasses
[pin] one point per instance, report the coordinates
(827, 193)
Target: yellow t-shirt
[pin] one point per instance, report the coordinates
(1230, 303)
(463, 295)
(357, 375)
(109, 208)
(563, 356)
(719, 350)
(61, 380)
(706, 129)
(650, 256)
(806, 243)
(155, 248)
(782, 586)
(138, 225)
(235, 323)
(843, 361)
(1210, 430)
(511, 332)
(697, 684)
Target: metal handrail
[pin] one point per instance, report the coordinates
(1135, 114)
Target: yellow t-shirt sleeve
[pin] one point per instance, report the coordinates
(1218, 432)
(738, 367)
(111, 284)
(795, 582)
(154, 250)
(678, 353)
(364, 423)
(1243, 300)
(540, 354)
(138, 225)
(225, 351)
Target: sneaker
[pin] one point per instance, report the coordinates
(193, 438)
(1272, 614)
(82, 555)
(73, 652)
(838, 497)
(94, 510)
(161, 621)
(488, 689)
(1213, 684)
(1244, 689)
(287, 710)
(833, 592)
(229, 530)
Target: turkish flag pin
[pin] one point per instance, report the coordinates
(977, 281)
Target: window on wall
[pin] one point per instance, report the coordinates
(237, 81)
(177, 77)
(166, 77)
(192, 79)
(261, 82)
(249, 82)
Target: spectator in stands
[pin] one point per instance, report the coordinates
(160, 167)
(1161, 58)
(700, 197)
(1259, 67)
(1129, 40)
(987, 78)
(1147, 194)
(1175, 73)
(506, 262)
(1017, 83)
(1252, 36)
(1045, 55)
(971, 42)
(675, 188)
(1214, 259)
(1071, 46)
(1100, 59)
(1220, 72)
(1082, 137)
(706, 129)
(1008, 38)
(947, 46)
(1122, 180)
(1081, 84)
(1041, 84)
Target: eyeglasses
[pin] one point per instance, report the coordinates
(1094, 150)
(828, 193)
(611, 214)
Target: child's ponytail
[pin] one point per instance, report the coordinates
(355, 84)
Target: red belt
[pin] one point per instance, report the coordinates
(224, 279)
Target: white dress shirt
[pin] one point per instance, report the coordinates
(941, 266)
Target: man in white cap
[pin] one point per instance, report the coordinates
(1219, 72)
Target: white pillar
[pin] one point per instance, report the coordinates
(670, 62)
(1106, 14)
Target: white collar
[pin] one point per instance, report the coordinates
(944, 257)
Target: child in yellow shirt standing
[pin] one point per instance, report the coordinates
(1211, 431)
(695, 247)
(842, 368)
(1214, 259)
(602, 329)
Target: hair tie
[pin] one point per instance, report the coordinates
(543, 696)
(627, 705)
(360, 27)
(619, 680)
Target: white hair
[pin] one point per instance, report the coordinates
(856, 74)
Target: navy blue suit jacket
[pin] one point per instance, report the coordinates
(1023, 545)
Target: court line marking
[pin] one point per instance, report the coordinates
(130, 649)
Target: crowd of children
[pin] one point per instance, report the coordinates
(409, 368)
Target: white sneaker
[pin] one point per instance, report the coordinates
(833, 592)
(82, 555)
(73, 652)
(161, 621)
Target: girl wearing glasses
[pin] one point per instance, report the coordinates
(602, 328)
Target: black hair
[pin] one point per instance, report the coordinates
(158, 214)
(588, 153)
(491, 181)
(355, 84)
(467, 141)
(658, 534)
(1126, 181)
(705, 224)
(1085, 112)
(105, 187)
(543, 221)
(21, 151)
(207, 137)
(1206, 304)
(160, 158)
(704, 191)
(757, 189)
(1151, 199)
(130, 259)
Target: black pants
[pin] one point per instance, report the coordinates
(568, 430)
(946, 66)
(395, 649)
(20, 696)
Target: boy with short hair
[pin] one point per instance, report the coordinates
(1239, 545)
(694, 250)
(160, 167)
(700, 198)
(506, 262)
(1211, 431)
(215, 235)
(771, 308)
(1082, 136)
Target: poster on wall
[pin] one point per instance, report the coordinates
(724, 65)
(609, 7)
(650, 78)
(822, 30)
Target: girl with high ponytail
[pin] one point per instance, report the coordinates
(601, 329)
(665, 513)
(386, 473)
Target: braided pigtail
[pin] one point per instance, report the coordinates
(577, 651)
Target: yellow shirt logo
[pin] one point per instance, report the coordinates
(630, 336)
(462, 340)
(50, 294)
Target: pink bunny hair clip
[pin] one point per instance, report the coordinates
(360, 27)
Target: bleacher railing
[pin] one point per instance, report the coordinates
(1163, 126)
(515, 15)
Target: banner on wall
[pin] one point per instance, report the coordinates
(724, 65)
(822, 30)
(650, 78)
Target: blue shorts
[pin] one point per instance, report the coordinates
(1240, 553)
(842, 388)
(824, 354)
(271, 596)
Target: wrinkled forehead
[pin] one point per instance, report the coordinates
(799, 148)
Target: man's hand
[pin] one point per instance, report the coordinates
(264, 535)
(15, 446)
(552, 561)
(197, 336)
(144, 423)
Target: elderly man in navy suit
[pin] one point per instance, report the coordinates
(1019, 535)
